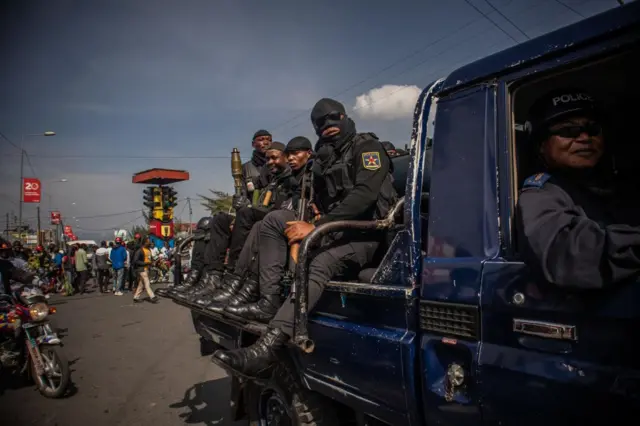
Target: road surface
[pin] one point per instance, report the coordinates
(131, 365)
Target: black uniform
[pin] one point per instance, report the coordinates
(352, 181)
(222, 237)
(578, 234)
(253, 172)
(273, 248)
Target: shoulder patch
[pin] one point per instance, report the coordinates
(371, 160)
(536, 181)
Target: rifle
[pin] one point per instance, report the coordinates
(303, 204)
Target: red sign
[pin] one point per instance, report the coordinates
(68, 230)
(31, 190)
(55, 218)
(160, 229)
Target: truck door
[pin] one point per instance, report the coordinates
(462, 235)
(557, 356)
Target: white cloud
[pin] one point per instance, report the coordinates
(388, 102)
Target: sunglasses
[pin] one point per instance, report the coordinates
(332, 116)
(574, 131)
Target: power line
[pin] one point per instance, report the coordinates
(570, 8)
(108, 229)
(507, 19)
(135, 157)
(490, 20)
(388, 67)
(10, 142)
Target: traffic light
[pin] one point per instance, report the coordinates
(149, 197)
(169, 197)
(157, 198)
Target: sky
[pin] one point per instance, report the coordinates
(129, 85)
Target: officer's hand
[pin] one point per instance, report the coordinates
(239, 201)
(297, 230)
(316, 212)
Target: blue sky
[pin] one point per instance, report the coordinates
(121, 81)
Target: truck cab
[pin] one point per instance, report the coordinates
(452, 327)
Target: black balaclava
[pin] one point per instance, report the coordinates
(330, 110)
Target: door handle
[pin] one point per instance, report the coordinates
(545, 329)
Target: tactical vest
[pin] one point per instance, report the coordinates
(340, 179)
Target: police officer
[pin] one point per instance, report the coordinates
(273, 246)
(351, 182)
(253, 169)
(222, 235)
(202, 235)
(576, 227)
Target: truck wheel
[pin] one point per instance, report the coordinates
(284, 402)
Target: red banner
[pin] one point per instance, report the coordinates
(55, 218)
(31, 190)
(68, 230)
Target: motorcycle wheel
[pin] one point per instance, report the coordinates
(55, 384)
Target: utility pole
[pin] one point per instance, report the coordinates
(38, 236)
(21, 187)
(7, 228)
(190, 213)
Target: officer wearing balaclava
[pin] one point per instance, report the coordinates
(253, 169)
(575, 228)
(351, 182)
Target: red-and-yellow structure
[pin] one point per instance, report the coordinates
(160, 198)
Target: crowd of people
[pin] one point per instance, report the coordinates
(117, 266)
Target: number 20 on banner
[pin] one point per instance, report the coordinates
(31, 190)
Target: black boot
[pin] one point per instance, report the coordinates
(231, 287)
(263, 311)
(210, 280)
(253, 359)
(247, 294)
(189, 291)
(192, 279)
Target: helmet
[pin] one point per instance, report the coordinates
(118, 240)
(5, 246)
(39, 248)
(137, 236)
(17, 243)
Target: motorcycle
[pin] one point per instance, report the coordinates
(28, 345)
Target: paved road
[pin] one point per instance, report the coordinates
(131, 365)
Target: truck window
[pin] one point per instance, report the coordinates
(607, 80)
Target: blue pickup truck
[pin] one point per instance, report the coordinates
(452, 328)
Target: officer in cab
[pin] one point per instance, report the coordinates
(576, 227)
(352, 181)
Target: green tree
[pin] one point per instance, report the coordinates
(219, 202)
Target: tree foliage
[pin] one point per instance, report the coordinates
(219, 202)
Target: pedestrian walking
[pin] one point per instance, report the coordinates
(142, 260)
(82, 267)
(101, 265)
(118, 258)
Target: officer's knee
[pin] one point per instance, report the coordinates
(320, 268)
(275, 220)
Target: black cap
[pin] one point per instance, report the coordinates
(388, 146)
(299, 143)
(557, 104)
(259, 133)
(277, 146)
